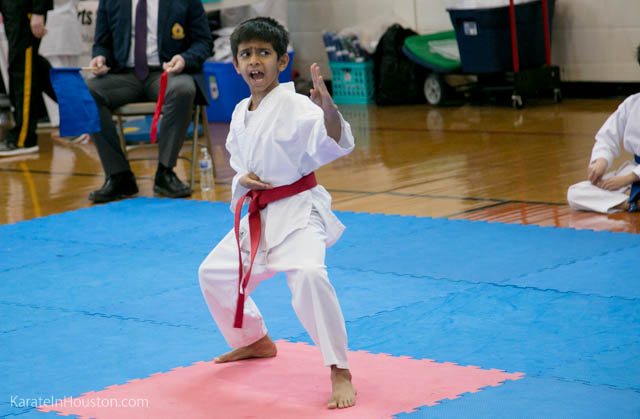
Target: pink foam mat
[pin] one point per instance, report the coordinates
(293, 385)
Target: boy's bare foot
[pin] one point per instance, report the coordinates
(263, 348)
(344, 393)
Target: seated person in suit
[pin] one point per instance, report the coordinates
(135, 40)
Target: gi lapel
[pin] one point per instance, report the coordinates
(263, 114)
(242, 135)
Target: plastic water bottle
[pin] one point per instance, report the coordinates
(206, 170)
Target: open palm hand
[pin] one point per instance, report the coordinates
(321, 97)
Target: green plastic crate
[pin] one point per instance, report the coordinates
(352, 82)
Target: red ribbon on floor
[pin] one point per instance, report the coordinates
(259, 200)
(159, 103)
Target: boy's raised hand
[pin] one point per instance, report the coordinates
(321, 97)
(319, 94)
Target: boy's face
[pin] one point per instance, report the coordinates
(258, 64)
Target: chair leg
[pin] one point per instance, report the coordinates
(194, 147)
(123, 141)
(207, 138)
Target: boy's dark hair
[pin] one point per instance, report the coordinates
(638, 54)
(263, 29)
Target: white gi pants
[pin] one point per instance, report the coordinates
(301, 256)
(588, 197)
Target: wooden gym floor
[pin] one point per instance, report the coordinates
(479, 162)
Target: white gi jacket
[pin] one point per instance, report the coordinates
(623, 126)
(284, 140)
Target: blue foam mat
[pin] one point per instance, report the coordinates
(611, 274)
(83, 352)
(115, 287)
(540, 333)
(89, 281)
(467, 250)
(128, 222)
(16, 252)
(15, 317)
(537, 398)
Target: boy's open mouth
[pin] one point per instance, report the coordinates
(256, 75)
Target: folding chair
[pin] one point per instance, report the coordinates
(148, 109)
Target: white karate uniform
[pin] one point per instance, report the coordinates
(623, 124)
(283, 140)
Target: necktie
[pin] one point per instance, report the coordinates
(140, 45)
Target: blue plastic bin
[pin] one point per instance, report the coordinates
(227, 88)
(484, 37)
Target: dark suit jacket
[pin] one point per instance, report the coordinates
(39, 7)
(17, 26)
(182, 29)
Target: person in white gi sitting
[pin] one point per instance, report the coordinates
(277, 138)
(618, 190)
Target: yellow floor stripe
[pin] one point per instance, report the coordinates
(26, 96)
(32, 189)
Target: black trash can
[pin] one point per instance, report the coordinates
(484, 37)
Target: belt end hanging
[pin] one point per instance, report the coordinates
(239, 312)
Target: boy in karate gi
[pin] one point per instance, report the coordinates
(618, 190)
(277, 138)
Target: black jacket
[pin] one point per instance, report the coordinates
(39, 7)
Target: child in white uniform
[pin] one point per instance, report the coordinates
(618, 190)
(277, 138)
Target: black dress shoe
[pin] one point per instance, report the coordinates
(168, 184)
(116, 186)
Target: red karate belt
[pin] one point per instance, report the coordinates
(159, 103)
(259, 200)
